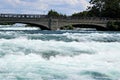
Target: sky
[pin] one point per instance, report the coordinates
(67, 7)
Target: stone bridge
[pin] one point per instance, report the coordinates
(45, 23)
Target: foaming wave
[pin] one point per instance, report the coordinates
(53, 48)
(35, 67)
(17, 27)
(78, 37)
(97, 37)
(44, 48)
(30, 56)
(61, 36)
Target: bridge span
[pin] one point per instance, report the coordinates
(45, 23)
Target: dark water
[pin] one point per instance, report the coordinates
(59, 55)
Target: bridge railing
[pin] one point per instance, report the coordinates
(39, 16)
(22, 16)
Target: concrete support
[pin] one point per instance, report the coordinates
(50, 23)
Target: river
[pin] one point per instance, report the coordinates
(31, 54)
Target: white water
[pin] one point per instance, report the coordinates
(64, 56)
(17, 27)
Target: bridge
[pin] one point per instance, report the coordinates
(45, 23)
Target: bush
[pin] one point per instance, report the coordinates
(113, 25)
(69, 27)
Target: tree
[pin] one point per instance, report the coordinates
(55, 14)
(112, 8)
(80, 14)
(105, 8)
(113, 25)
(96, 9)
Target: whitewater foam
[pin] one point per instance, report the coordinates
(62, 56)
(63, 67)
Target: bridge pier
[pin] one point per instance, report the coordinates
(50, 23)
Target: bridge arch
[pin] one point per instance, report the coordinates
(42, 27)
(96, 26)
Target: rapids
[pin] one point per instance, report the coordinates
(31, 54)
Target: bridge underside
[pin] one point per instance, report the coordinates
(42, 27)
(97, 27)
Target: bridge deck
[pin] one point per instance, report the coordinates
(47, 23)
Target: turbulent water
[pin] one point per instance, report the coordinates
(58, 55)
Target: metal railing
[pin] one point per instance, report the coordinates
(22, 16)
(39, 16)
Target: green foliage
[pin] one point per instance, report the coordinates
(113, 25)
(55, 14)
(105, 8)
(52, 13)
(69, 27)
(101, 8)
(112, 8)
(80, 14)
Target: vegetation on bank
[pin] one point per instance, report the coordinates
(113, 25)
(29, 25)
(69, 27)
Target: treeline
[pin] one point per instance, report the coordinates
(99, 8)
